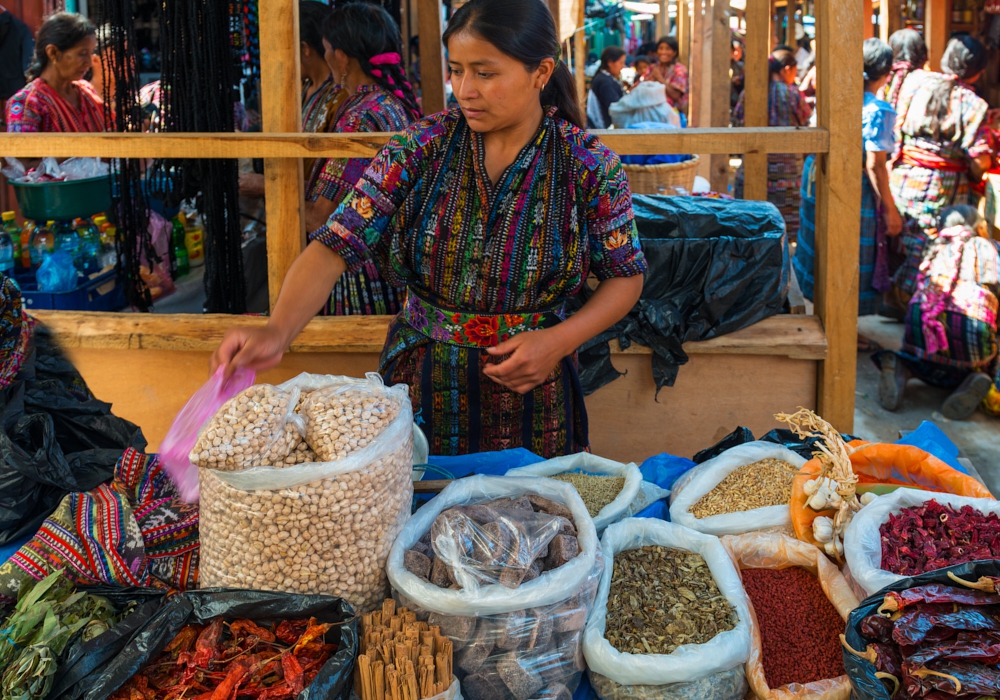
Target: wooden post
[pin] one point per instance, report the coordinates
(281, 110)
(866, 19)
(935, 31)
(755, 85)
(696, 63)
(663, 19)
(684, 31)
(580, 56)
(431, 55)
(890, 18)
(838, 204)
(719, 47)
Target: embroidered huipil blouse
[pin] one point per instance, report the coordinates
(428, 214)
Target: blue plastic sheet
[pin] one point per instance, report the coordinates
(494, 463)
(664, 469)
(930, 438)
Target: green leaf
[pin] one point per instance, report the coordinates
(40, 589)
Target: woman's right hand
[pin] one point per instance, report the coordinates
(256, 348)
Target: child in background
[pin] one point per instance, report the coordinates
(951, 324)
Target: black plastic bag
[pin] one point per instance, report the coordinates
(780, 436)
(263, 607)
(715, 266)
(862, 673)
(55, 437)
(87, 659)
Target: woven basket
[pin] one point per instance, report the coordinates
(651, 179)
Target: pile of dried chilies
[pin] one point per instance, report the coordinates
(936, 641)
(48, 617)
(934, 536)
(225, 661)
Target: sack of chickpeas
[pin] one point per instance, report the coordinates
(671, 621)
(508, 568)
(611, 490)
(322, 513)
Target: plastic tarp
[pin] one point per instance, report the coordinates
(55, 437)
(715, 266)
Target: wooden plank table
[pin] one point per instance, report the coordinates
(147, 366)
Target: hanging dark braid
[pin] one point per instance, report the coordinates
(198, 93)
(368, 33)
(130, 208)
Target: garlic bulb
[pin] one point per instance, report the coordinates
(811, 486)
(823, 529)
(867, 498)
(823, 494)
(831, 548)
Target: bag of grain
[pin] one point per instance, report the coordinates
(323, 526)
(610, 490)
(696, 642)
(745, 488)
(508, 568)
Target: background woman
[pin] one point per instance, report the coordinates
(785, 107)
(57, 98)
(944, 145)
(493, 215)
(671, 73)
(909, 53)
(362, 48)
(605, 88)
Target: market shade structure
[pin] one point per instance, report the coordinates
(148, 365)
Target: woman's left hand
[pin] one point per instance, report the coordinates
(533, 356)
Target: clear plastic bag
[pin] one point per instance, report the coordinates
(342, 418)
(57, 273)
(256, 428)
(776, 551)
(523, 642)
(863, 541)
(635, 495)
(710, 670)
(706, 476)
(175, 450)
(322, 527)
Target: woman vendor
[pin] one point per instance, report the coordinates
(57, 99)
(672, 73)
(362, 47)
(492, 215)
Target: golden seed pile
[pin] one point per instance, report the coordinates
(756, 485)
(596, 491)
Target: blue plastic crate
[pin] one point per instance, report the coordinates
(102, 293)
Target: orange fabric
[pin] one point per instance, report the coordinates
(881, 463)
(759, 550)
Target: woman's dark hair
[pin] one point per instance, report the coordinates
(878, 59)
(961, 215)
(779, 60)
(312, 15)
(365, 32)
(64, 30)
(669, 41)
(610, 55)
(964, 58)
(525, 31)
(908, 46)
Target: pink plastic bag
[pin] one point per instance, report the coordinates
(183, 434)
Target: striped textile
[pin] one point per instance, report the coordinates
(39, 108)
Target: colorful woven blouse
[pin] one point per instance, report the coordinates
(319, 109)
(39, 108)
(427, 213)
(676, 76)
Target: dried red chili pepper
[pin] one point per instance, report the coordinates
(207, 645)
(184, 640)
(313, 632)
(293, 673)
(249, 628)
(289, 631)
(952, 677)
(919, 623)
(877, 627)
(966, 646)
(226, 690)
(935, 593)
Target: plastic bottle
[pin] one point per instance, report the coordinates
(90, 245)
(43, 243)
(67, 239)
(6, 254)
(14, 231)
(109, 252)
(180, 249)
(194, 242)
(29, 228)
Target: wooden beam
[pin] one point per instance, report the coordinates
(720, 48)
(936, 21)
(696, 65)
(663, 19)
(866, 18)
(798, 337)
(838, 204)
(282, 112)
(637, 142)
(755, 84)
(431, 55)
(890, 18)
(684, 30)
